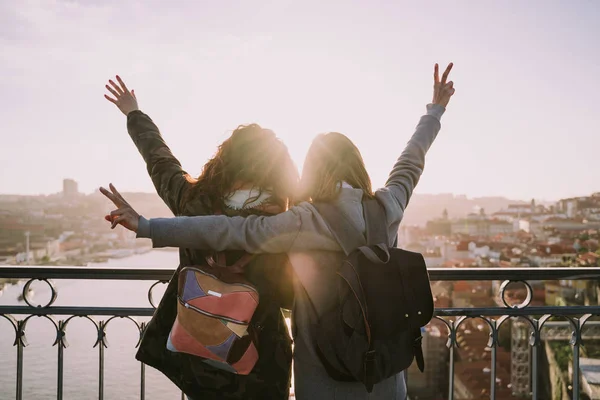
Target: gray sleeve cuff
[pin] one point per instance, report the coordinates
(435, 110)
(143, 228)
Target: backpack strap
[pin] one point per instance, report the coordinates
(350, 238)
(377, 246)
(344, 232)
(237, 267)
(219, 258)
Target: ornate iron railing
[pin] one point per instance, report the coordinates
(536, 317)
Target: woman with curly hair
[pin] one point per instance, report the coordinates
(251, 173)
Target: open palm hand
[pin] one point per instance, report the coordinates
(124, 99)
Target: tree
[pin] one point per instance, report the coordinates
(584, 236)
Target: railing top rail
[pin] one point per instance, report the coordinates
(27, 272)
(435, 274)
(513, 274)
(443, 312)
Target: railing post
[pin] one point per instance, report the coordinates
(450, 344)
(101, 343)
(19, 370)
(142, 329)
(576, 342)
(534, 342)
(59, 382)
(576, 372)
(21, 342)
(61, 344)
(101, 373)
(493, 344)
(143, 381)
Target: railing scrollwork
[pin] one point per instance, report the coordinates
(530, 319)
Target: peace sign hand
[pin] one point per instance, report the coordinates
(124, 214)
(442, 91)
(123, 98)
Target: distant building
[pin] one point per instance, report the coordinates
(431, 384)
(70, 188)
(519, 209)
(480, 226)
(571, 224)
(515, 212)
(439, 227)
(433, 259)
(453, 251)
(586, 207)
(550, 255)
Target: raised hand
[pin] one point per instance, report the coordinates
(123, 98)
(124, 214)
(442, 91)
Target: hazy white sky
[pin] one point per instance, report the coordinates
(524, 121)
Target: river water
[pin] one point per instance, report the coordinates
(121, 370)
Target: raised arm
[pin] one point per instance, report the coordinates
(408, 169)
(164, 169)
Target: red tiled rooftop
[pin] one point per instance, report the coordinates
(462, 246)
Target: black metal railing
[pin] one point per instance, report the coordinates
(536, 317)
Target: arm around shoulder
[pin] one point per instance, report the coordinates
(300, 228)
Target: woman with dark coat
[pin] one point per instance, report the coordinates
(252, 173)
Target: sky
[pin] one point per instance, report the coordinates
(524, 122)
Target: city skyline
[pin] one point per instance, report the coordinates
(521, 124)
(75, 184)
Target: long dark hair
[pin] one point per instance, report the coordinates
(332, 159)
(251, 155)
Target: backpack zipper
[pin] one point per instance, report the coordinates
(224, 283)
(198, 310)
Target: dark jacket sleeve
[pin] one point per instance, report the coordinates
(164, 169)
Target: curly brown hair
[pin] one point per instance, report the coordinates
(251, 155)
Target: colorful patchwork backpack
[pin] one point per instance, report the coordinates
(215, 306)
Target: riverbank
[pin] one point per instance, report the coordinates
(83, 260)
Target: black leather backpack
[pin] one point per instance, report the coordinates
(373, 329)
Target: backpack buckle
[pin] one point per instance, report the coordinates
(370, 356)
(369, 366)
